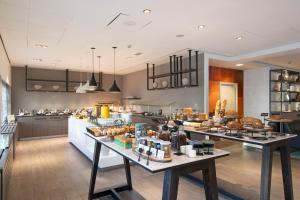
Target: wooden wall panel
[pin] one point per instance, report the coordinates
(217, 75)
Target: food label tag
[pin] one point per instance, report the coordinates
(141, 146)
(154, 151)
(146, 148)
(160, 154)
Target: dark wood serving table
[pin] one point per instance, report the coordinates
(281, 143)
(180, 165)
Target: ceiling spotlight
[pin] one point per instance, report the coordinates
(239, 37)
(201, 26)
(147, 11)
(239, 64)
(41, 46)
(179, 35)
(37, 59)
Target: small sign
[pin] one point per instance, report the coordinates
(154, 151)
(160, 154)
(264, 114)
(141, 146)
(146, 148)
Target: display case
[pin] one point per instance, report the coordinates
(284, 91)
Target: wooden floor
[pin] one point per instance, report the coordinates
(52, 169)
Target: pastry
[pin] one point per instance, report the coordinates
(257, 124)
(217, 108)
(234, 125)
(249, 120)
(276, 117)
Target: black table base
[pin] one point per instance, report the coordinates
(266, 168)
(171, 179)
(109, 191)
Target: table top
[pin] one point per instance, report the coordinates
(153, 167)
(245, 138)
(279, 120)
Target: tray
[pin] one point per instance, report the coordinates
(151, 158)
(265, 129)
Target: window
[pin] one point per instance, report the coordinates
(5, 101)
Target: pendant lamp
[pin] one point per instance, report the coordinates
(114, 88)
(99, 88)
(92, 81)
(80, 88)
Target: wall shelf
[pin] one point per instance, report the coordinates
(280, 87)
(176, 72)
(65, 85)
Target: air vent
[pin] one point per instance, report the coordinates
(138, 53)
(115, 18)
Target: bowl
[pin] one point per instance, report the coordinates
(55, 87)
(164, 84)
(185, 81)
(155, 85)
(37, 87)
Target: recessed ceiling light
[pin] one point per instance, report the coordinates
(239, 37)
(146, 11)
(37, 59)
(41, 45)
(179, 35)
(201, 26)
(239, 64)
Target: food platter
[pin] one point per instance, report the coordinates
(251, 129)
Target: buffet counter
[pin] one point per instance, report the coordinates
(86, 145)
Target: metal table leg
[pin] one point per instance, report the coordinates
(210, 181)
(97, 149)
(266, 172)
(286, 171)
(170, 188)
(128, 173)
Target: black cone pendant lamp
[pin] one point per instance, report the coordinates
(99, 88)
(92, 81)
(114, 88)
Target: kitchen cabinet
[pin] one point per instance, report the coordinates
(39, 127)
(54, 126)
(25, 127)
(42, 126)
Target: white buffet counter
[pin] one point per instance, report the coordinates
(77, 136)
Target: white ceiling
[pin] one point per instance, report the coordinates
(71, 27)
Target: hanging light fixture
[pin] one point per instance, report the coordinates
(92, 81)
(86, 87)
(114, 88)
(80, 88)
(99, 88)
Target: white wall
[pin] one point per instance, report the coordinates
(256, 91)
(5, 70)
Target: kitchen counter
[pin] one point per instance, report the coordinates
(35, 126)
(7, 150)
(35, 115)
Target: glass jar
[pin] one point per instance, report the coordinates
(179, 138)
